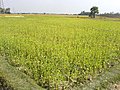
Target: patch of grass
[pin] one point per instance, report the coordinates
(103, 81)
(12, 79)
(4, 85)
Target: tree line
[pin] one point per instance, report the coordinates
(93, 11)
(4, 10)
(111, 14)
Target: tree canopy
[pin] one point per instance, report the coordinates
(94, 10)
(4, 10)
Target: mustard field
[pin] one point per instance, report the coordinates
(60, 51)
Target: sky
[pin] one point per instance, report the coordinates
(61, 6)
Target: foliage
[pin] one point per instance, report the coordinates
(94, 10)
(59, 52)
(84, 13)
(4, 10)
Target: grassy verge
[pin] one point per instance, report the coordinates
(104, 81)
(14, 79)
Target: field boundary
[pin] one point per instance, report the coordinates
(104, 81)
(16, 79)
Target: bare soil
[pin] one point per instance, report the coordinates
(116, 86)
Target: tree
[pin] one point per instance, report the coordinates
(94, 10)
(2, 10)
(7, 11)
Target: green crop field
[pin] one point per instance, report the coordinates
(60, 51)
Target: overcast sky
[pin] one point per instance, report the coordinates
(61, 6)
